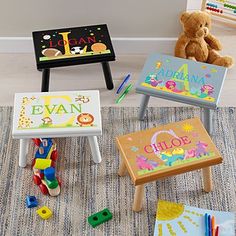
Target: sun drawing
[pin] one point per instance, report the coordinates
(173, 218)
(169, 210)
(187, 127)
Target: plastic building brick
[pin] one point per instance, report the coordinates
(42, 164)
(49, 173)
(31, 201)
(99, 217)
(45, 149)
(44, 212)
(51, 183)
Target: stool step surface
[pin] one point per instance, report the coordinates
(57, 114)
(167, 150)
(72, 46)
(182, 80)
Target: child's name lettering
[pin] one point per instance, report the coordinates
(161, 146)
(66, 42)
(56, 109)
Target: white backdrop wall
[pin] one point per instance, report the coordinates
(125, 18)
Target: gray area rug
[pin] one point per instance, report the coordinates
(88, 188)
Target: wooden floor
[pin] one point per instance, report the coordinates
(18, 74)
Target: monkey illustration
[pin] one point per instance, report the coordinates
(81, 99)
(47, 121)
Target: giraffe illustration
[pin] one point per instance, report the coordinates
(25, 121)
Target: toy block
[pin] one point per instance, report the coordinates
(50, 173)
(42, 163)
(45, 149)
(31, 201)
(41, 154)
(99, 217)
(51, 184)
(50, 140)
(44, 212)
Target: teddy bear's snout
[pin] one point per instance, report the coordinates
(203, 32)
(206, 31)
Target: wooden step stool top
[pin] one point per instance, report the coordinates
(182, 80)
(72, 46)
(167, 150)
(57, 114)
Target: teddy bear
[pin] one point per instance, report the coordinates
(197, 43)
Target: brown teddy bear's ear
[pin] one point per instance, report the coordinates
(184, 16)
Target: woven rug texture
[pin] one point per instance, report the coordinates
(88, 187)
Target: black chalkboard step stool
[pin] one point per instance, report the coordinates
(73, 46)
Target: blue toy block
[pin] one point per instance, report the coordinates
(49, 173)
(46, 149)
(31, 201)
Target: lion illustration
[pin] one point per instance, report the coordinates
(85, 119)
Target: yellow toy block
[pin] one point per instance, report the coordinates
(42, 164)
(44, 212)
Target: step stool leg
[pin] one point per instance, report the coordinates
(138, 198)
(122, 169)
(207, 179)
(45, 80)
(143, 106)
(107, 75)
(24, 145)
(208, 120)
(95, 149)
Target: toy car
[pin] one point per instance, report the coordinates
(44, 167)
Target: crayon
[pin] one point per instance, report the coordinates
(122, 96)
(213, 225)
(217, 231)
(126, 79)
(206, 225)
(209, 225)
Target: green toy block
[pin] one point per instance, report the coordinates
(99, 217)
(51, 183)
